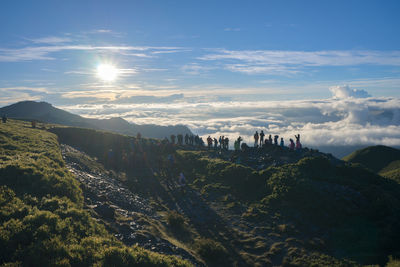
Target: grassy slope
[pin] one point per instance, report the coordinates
(381, 159)
(392, 171)
(351, 212)
(374, 158)
(42, 222)
(308, 213)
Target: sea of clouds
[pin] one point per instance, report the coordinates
(350, 117)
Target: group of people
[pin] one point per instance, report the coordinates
(189, 139)
(222, 143)
(259, 141)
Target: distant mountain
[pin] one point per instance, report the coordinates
(45, 112)
(338, 151)
(374, 157)
(380, 159)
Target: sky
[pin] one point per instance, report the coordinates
(329, 70)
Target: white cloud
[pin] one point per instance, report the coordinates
(312, 58)
(103, 31)
(350, 121)
(195, 69)
(262, 69)
(264, 61)
(344, 91)
(43, 52)
(20, 93)
(232, 29)
(51, 40)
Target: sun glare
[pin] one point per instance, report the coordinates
(107, 72)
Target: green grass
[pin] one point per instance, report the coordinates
(380, 159)
(340, 214)
(358, 211)
(374, 158)
(42, 222)
(392, 171)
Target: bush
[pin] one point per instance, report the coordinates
(176, 221)
(211, 251)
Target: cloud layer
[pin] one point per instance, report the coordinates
(344, 120)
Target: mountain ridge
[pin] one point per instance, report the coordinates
(380, 159)
(45, 112)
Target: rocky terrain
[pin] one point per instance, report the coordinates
(109, 198)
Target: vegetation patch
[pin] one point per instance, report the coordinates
(42, 222)
(211, 251)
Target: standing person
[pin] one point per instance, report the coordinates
(262, 137)
(226, 141)
(220, 142)
(215, 143)
(186, 139)
(291, 145)
(282, 142)
(240, 139)
(297, 138)
(173, 139)
(201, 142)
(298, 144)
(191, 139)
(236, 145)
(180, 139)
(4, 118)
(276, 139)
(209, 142)
(256, 139)
(197, 140)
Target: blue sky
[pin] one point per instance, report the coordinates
(176, 54)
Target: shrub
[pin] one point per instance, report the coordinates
(211, 251)
(176, 221)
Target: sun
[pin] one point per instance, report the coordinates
(107, 72)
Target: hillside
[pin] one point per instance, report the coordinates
(298, 210)
(380, 159)
(45, 112)
(42, 220)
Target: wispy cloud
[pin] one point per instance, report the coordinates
(44, 52)
(279, 62)
(195, 68)
(51, 40)
(103, 31)
(232, 29)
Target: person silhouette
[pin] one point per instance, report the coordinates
(291, 145)
(256, 139)
(262, 137)
(276, 139)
